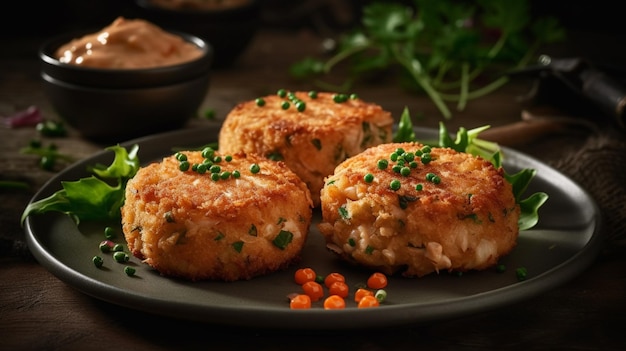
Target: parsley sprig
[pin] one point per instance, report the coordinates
(453, 51)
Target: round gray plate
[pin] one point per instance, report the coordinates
(562, 245)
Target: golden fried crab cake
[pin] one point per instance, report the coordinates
(240, 218)
(406, 207)
(311, 132)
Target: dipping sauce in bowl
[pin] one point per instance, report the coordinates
(126, 80)
(128, 44)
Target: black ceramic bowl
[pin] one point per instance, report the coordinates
(113, 105)
(229, 30)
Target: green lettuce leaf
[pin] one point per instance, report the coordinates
(97, 197)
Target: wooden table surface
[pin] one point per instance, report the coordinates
(39, 311)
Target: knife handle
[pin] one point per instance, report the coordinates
(606, 92)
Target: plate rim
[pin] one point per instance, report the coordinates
(313, 319)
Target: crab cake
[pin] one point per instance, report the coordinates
(409, 208)
(311, 132)
(242, 217)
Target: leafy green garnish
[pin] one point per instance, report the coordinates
(468, 141)
(97, 197)
(452, 51)
(405, 130)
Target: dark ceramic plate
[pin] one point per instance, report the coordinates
(562, 245)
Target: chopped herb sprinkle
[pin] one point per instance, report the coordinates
(343, 212)
(169, 217)
(252, 231)
(283, 239)
(521, 273)
(238, 246)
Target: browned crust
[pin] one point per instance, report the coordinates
(471, 215)
(184, 224)
(311, 142)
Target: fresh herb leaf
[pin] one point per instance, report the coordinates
(405, 130)
(529, 207)
(452, 51)
(97, 197)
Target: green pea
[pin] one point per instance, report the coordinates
(130, 271)
(120, 256)
(184, 166)
(109, 232)
(395, 184)
(300, 106)
(97, 261)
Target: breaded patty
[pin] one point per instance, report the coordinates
(230, 223)
(431, 209)
(311, 140)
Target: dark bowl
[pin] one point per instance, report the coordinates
(123, 78)
(229, 30)
(113, 105)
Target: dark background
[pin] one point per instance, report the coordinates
(52, 17)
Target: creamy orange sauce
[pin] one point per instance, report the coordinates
(200, 4)
(128, 43)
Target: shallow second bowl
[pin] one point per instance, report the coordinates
(113, 105)
(229, 26)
